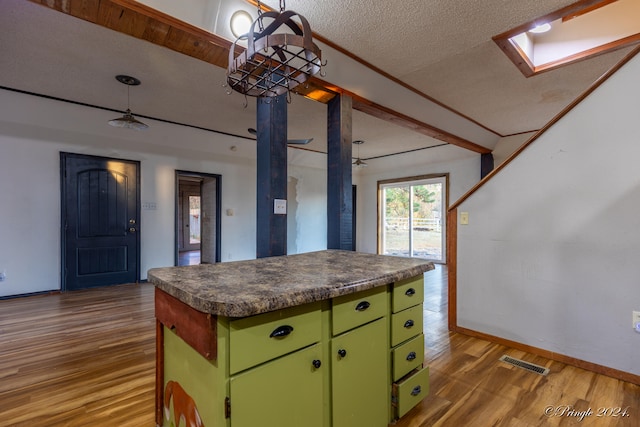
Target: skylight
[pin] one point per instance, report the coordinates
(576, 32)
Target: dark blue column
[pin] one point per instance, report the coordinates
(272, 175)
(339, 183)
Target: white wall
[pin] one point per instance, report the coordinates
(550, 257)
(33, 131)
(507, 145)
(462, 165)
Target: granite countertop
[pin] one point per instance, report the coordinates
(245, 288)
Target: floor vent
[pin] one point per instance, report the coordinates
(525, 365)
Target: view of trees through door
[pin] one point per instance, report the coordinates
(412, 218)
(194, 220)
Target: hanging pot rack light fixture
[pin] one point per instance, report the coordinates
(127, 121)
(274, 61)
(359, 163)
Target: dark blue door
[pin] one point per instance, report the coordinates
(100, 221)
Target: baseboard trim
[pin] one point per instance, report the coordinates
(31, 294)
(589, 366)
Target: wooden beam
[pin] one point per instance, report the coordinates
(272, 175)
(339, 182)
(389, 115)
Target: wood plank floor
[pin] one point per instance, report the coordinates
(86, 358)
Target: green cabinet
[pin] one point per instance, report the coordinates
(359, 380)
(286, 392)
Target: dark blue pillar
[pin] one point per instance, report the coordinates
(339, 183)
(272, 175)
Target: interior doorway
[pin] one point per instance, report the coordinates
(197, 218)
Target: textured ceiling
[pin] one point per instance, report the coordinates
(441, 48)
(445, 50)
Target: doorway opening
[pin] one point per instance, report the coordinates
(412, 217)
(197, 218)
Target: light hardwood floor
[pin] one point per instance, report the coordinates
(87, 359)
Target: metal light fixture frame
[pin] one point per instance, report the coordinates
(274, 63)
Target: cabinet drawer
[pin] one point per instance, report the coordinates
(409, 392)
(350, 311)
(406, 324)
(407, 357)
(256, 339)
(407, 293)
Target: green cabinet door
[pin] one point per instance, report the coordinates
(360, 377)
(286, 392)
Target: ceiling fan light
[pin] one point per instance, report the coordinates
(127, 121)
(359, 163)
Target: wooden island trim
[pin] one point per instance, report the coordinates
(196, 328)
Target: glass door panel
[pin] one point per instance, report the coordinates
(412, 218)
(396, 221)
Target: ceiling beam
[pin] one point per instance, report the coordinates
(143, 22)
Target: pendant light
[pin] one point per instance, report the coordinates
(359, 163)
(127, 121)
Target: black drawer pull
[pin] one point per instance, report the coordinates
(342, 352)
(411, 356)
(316, 364)
(416, 390)
(362, 306)
(408, 324)
(410, 292)
(281, 331)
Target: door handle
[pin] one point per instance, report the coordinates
(132, 229)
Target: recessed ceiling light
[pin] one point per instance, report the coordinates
(538, 29)
(240, 23)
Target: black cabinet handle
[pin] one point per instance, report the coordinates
(411, 356)
(410, 292)
(362, 306)
(416, 390)
(408, 324)
(316, 364)
(281, 331)
(342, 352)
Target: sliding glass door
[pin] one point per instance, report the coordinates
(412, 218)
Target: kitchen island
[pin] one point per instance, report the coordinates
(322, 339)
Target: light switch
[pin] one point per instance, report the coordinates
(464, 218)
(279, 207)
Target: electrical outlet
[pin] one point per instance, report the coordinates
(636, 320)
(3, 275)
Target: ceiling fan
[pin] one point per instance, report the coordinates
(252, 131)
